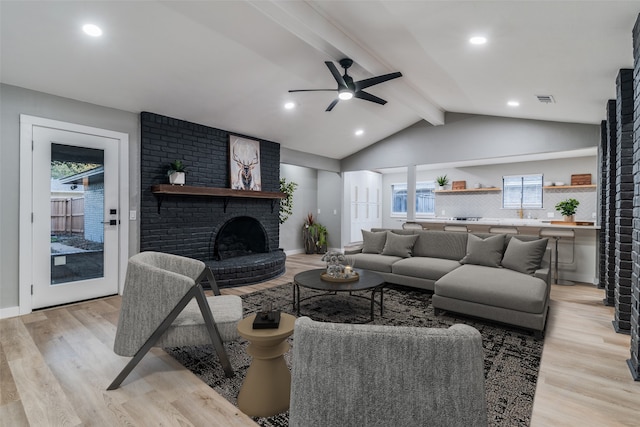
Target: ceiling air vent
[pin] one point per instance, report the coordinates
(546, 99)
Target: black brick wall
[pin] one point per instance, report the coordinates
(603, 152)
(608, 226)
(634, 361)
(624, 200)
(187, 225)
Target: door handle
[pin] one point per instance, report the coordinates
(111, 222)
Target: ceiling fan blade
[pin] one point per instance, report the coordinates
(336, 74)
(312, 90)
(333, 104)
(363, 84)
(368, 97)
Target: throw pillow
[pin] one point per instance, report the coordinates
(397, 245)
(373, 242)
(484, 251)
(524, 257)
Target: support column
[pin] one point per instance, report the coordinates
(411, 193)
(603, 153)
(609, 191)
(624, 201)
(634, 360)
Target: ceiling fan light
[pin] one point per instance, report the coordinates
(345, 94)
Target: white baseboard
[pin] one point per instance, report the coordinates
(9, 312)
(582, 278)
(294, 252)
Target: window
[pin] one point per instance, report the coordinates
(425, 199)
(522, 191)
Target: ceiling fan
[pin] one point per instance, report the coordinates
(347, 88)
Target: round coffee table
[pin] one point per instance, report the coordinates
(267, 386)
(311, 279)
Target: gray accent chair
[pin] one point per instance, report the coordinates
(164, 305)
(371, 375)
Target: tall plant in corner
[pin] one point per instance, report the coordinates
(286, 204)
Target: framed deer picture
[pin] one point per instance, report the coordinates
(244, 163)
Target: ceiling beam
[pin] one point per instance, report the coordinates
(310, 26)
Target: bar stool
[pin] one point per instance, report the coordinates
(457, 228)
(411, 226)
(557, 234)
(503, 230)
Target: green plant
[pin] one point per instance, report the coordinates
(176, 166)
(321, 235)
(314, 235)
(286, 204)
(567, 207)
(442, 180)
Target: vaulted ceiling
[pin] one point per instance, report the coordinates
(230, 64)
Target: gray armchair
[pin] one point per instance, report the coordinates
(164, 305)
(369, 375)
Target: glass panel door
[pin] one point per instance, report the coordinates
(75, 216)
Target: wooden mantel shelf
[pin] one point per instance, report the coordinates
(162, 190)
(187, 190)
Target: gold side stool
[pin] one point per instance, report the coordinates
(267, 387)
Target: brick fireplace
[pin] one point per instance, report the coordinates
(237, 237)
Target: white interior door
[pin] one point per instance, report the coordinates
(75, 216)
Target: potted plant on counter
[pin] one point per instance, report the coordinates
(442, 181)
(176, 172)
(567, 209)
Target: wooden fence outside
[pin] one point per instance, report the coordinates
(67, 215)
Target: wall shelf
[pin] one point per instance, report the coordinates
(561, 187)
(163, 190)
(470, 190)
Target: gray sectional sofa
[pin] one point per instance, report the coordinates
(499, 277)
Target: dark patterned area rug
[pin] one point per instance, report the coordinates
(511, 356)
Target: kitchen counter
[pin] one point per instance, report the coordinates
(505, 222)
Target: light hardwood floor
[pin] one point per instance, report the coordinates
(55, 365)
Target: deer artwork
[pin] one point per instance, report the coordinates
(245, 179)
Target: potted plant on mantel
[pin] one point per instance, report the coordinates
(568, 209)
(176, 172)
(442, 181)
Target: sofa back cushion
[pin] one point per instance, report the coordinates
(486, 252)
(398, 245)
(373, 242)
(440, 244)
(524, 257)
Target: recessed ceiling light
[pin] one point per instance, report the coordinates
(359, 132)
(478, 40)
(513, 104)
(92, 30)
(290, 105)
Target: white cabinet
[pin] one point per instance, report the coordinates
(365, 210)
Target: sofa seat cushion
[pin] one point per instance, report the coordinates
(424, 267)
(374, 262)
(497, 287)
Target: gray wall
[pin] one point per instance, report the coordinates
(305, 200)
(470, 137)
(15, 101)
(330, 204)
